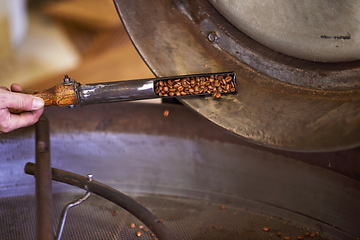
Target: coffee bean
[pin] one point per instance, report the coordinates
(132, 225)
(138, 234)
(265, 229)
(223, 207)
(214, 84)
(286, 238)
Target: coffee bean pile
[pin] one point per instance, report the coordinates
(215, 85)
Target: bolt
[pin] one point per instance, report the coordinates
(66, 79)
(213, 36)
(90, 177)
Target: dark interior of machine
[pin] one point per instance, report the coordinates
(278, 159)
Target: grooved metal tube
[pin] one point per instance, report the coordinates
(43, 187)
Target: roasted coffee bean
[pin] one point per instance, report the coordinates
(300, 237)
(215, 85)
(138, 234)
(140, 227)
(223, 207)
(279, 234)
(132, 225)
(265, 229)
(312, 235)
(286, 238)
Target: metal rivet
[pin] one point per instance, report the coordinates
(66, 79)
(213, 36)
(90, 177)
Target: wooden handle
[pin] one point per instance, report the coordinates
(63, 94)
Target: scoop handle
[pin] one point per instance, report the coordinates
(63, 94)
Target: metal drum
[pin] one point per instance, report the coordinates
(283, 102)
(202, 181)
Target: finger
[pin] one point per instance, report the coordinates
(20, 101)
(5, 88)
(16, 87)
(10, 122)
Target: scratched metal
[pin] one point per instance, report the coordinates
(306, 110)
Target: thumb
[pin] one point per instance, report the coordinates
(21, 101)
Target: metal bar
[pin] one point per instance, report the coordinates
(155, 224)
(65, 211)
(43, 186)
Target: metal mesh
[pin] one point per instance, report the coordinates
(98, 218)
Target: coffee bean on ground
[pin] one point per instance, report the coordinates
(215, 85)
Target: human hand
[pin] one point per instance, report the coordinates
(12, 99)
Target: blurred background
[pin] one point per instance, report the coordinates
(42, 40)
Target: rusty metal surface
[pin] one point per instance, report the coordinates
(320, 113)
(43, 186)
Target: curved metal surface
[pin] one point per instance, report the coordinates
(135, 148)
(265, 111)
(325, 30)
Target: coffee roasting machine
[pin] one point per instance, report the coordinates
(276, 158)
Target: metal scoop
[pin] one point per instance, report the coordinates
(71, 93)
